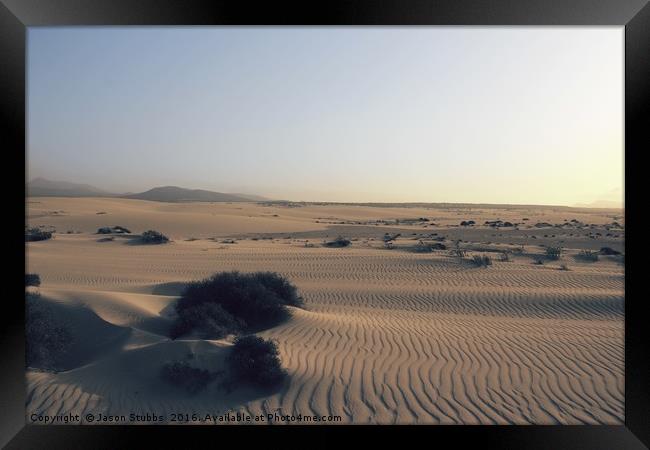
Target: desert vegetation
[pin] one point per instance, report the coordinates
(233, 302)
(588, 255)
(46, 340)
(36, 234)
(113, 230)
(32, 279)
(183, 375)
(482, 260)
(153, 237)
(340, 241)
(428, 247)
(554, 253)
(256, 360)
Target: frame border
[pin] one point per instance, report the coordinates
(634, 15)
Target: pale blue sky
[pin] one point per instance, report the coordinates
(438, 114)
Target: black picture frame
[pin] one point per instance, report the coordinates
(634, 15)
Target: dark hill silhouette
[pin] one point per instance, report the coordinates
(40, 187)
(178, 194)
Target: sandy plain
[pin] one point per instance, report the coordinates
(386, 336)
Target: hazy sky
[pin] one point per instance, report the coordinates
(431, 114)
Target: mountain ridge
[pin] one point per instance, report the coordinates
(41, 187)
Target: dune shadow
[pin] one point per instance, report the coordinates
(173, 288)
(91, 336)
(136, 375)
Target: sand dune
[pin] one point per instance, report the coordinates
(387, 336)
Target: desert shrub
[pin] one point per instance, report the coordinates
(209, 320)
(482, 260)
(181, 374)
(553, 253)
(257, 361)
(32, 279)
(457, 251)
(588, 255)
(116, 229)
(153, 237)
(539, 262)
(504, 257)
(240, 302)
(339, 242)
(461, 253)
(36, 234)
(609, 251)
(422, 247)
(46, 341)
(427, 247)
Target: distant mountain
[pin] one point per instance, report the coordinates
(177, 194)
(40, 187)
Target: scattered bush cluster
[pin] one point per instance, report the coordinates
(116, 229)
(255, 360)
(553, 253)
(153, 237)
(339, 242)
(588, 255)
(181, 374)
(36, 234)
(427, 247)
(233, 302)
(482, 260)
(46, 341)
(32, 279)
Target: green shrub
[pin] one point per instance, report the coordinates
(257, 361)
